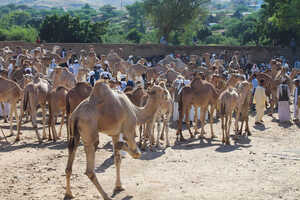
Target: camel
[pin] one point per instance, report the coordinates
(227, 103)
(234, 79)
(271, 86)
(35, 93)
(244, 91)
(154, 72)
(176, 63)
(109, 112)
(171, 75)
(75, 96)
(61, 76)
(11, 93)
(244, 117)
(199, 94)
(164, 113)
(136, 70)
(139, 98)
(57, 104)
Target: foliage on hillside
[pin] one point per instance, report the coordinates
(185, 22)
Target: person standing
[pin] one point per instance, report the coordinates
(283, 94)
(254, 86)
(296, 98)
(260, 100)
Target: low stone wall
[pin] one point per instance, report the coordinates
(256, 54)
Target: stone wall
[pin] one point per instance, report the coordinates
(256, 54)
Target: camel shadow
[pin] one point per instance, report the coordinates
(241, 142)
(49, 144)
(190, 144)
(152, 155)
(260, 127)
(105, 165)
(108, 146)
(297, 124)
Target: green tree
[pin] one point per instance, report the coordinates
(70, 29)
(172, 15)
(134, 36)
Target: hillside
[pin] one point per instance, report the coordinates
(70, 4)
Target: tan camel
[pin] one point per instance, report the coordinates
(11, 93)
(234, 79)
(154, 72)
(200, 94)
(244, 117)
(57, 104)
(61, 76)
(109, 112)
(35, 93)
(136, 70)
(139, 98)
(228, 101)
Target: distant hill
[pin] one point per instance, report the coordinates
(67, 4)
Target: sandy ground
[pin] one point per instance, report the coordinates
(265, 165)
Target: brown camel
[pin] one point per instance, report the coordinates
(200, 94)
(57, 104)
(11, 93)
(35, 93)
(75, 96)
(136, 70)
(109, 112)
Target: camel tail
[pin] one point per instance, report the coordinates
(73, 133)
(25, 100)
(223, 108)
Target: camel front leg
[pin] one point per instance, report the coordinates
(44, 122)
(19, 123)
(117, 158)
(196, 121)
(228, 132)
(202, 118)
(61, 123)
(34, 124)
(237, 118)
(12, 111)
(4, 112)
(158, 132)
(90, 156)
(211, 121)
(223, 128)
(167, 130)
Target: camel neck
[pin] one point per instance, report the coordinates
(147, 112)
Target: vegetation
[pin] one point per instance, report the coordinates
(184, 22)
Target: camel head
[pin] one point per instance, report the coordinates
(157, 93)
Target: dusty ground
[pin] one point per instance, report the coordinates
(264, 166)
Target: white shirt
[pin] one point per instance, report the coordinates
(75, 68)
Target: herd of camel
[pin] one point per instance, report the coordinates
(103, 108)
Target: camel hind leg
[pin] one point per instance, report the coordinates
(117, 158)
(90, 156)
(202, 118)
(4, 113)
(158, 132)
(223, 128)
(187, 121)
(12, 111)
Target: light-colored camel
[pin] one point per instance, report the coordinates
(199, 94)
(228, 101)
(56, 104)
(61, 76)
(244, 91)
(10, 92)
(164, 113)
(234, 79)
(154, 72)
(175, 63)
(112, 113)
(35, 93)
(244, 117)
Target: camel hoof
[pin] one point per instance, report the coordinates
(249, 134)
(118, 189)
(17, 139)
(182, 139)
(68, 196)
(213, 136)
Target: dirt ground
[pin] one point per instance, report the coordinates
(265, 165)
